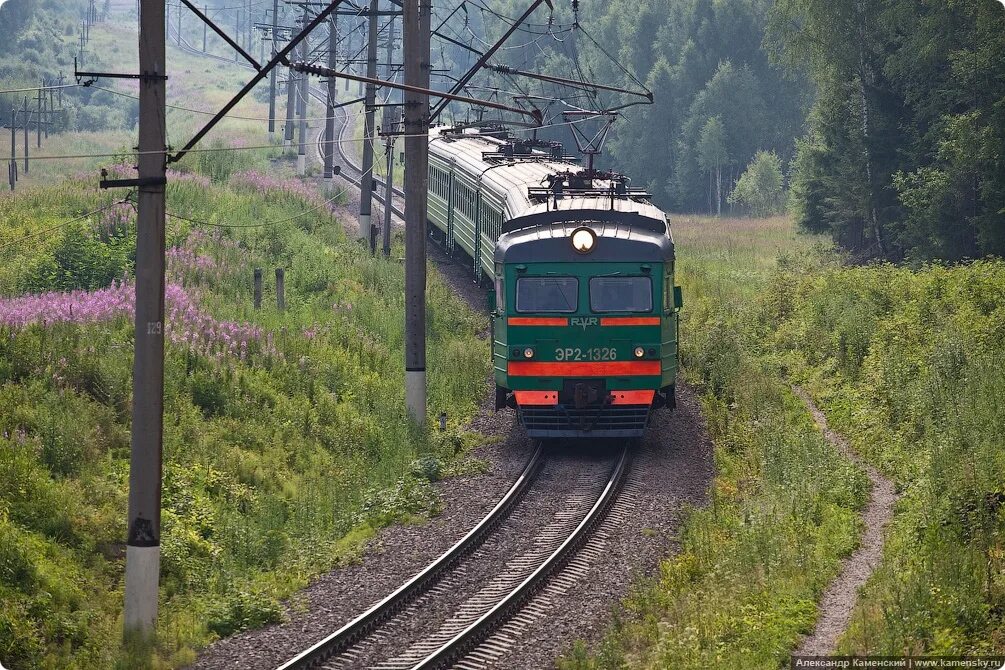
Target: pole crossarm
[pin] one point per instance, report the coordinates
(474, 69)
(219, 31)
(447, 97)
(280, 57)
(585, 85)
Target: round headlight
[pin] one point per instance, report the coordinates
(639, 352)
(583, 240)
(528, 353)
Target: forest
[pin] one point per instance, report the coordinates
(886, 121)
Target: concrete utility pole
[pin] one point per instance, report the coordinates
(272, 75)
(302, 96)
(388, 193)
(205, 11)
(177, 25)
(237, 33)
(415, 26)
(38, 116)
(143, 542)
(366, 179)
(329, 157)
(388, 121)
(291, 96)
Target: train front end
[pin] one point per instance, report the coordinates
(585, 325)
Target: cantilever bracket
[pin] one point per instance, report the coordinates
(92, 77)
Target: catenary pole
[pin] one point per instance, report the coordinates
(415, 26)
(388, 194)
(291, 96)
(143, 540)
(329, 144)
(272, 74)
(366, 179)
(302, 95)
(387, 122)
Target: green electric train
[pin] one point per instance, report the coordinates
(584, 308)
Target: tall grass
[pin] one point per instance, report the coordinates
(909, 365)
(286, 441)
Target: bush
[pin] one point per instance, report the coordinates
(760, 187)
(243, 610)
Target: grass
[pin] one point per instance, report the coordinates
(907, 365)
(783, 505)
(286, 441)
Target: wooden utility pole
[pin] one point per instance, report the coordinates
(143, 542)
(329, 153)
(38, 117)
(13, 147)
(366, 230)
(257, 288)
(280, 289)
(272, 75)
(415, 24)
(27, 119)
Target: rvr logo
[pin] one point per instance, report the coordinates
(585, 321)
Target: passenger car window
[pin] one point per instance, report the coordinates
(547, 294)
(621, 294)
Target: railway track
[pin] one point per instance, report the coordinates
(468, 607)
(460, 610)
(351, 170)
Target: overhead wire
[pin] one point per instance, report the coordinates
(60, 226)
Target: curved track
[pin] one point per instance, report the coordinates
(351, 170)
(482, 586)
(451, 613)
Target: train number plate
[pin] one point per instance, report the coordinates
(594, 354)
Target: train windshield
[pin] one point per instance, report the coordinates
(621, 294)
(547, 294)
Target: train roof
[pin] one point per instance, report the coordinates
(617, 241)
(518, 181)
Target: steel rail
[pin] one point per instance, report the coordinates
(320, 96)
(359, 627)
(485, 624)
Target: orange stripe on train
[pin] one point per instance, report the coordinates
(583, 369)
(630, 321)
(632, 397)
(536, 398)
(536, 321)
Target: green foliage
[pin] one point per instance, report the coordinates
(760, 187)
(701, 60)
(902, 159)
(783, 507)
(243, 610)
(908, 366)
(277, 465)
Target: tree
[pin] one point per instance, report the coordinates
(760, 187)
(712, 154)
